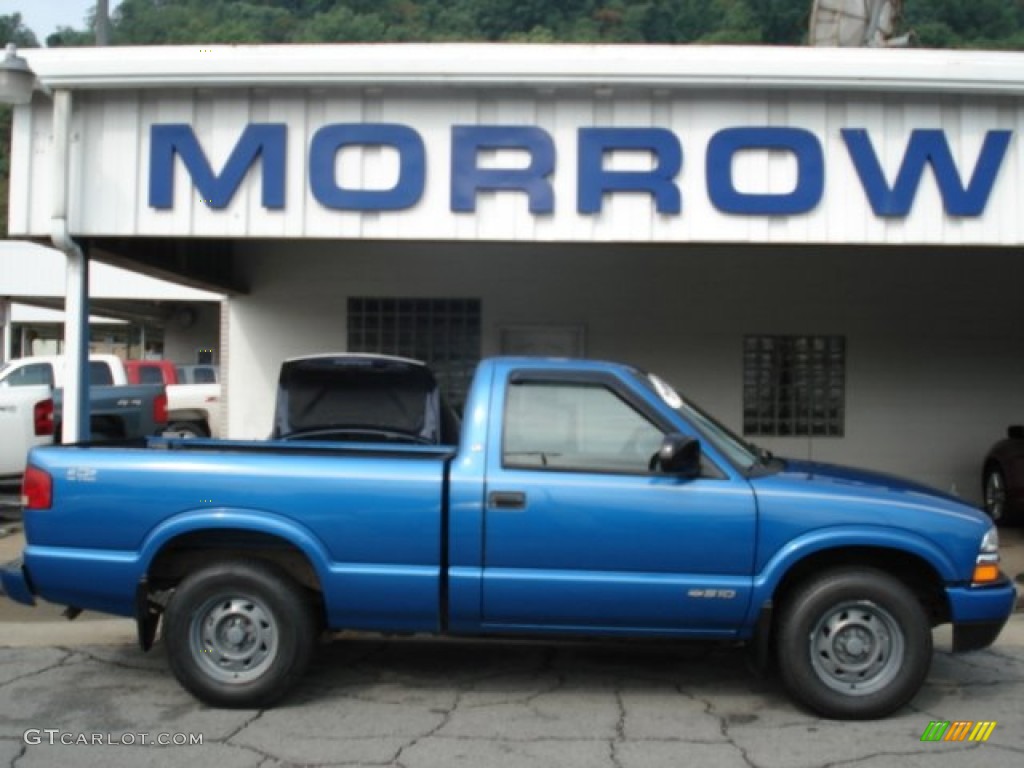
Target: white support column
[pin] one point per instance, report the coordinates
(7, 347)
(75, 417)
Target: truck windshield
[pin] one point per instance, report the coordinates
(738, 451)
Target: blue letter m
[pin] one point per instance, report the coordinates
(927, 147)
(267, 139)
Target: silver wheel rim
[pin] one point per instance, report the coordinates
(857, 648)
(995, 495)
(233, 638)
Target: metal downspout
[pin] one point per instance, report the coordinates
(75, 419)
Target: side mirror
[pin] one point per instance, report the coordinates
(1015, 432)
(678, 455)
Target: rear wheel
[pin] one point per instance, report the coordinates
(185, 429)
(854, 644)
(994, 487)
(239, 633)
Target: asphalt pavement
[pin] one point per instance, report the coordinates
(82, 692)
(418, 703)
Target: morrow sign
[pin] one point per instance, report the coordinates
(965, 191)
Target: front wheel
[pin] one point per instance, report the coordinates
(854, 644)
(239, 633)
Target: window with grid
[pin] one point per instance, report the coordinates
(794, 385)
(444, 333)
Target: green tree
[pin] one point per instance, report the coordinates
(66, 36)
(736, 23)
(956, 24)
(939, 23)
(13, 30)
(781, 22)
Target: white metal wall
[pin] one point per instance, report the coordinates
(191, 328)
(934, 371)
(111, 142)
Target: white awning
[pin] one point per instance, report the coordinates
(28, 269)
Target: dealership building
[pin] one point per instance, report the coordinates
(822, 247)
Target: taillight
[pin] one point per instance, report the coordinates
(36, 489)
(42, 417)
(160, 408)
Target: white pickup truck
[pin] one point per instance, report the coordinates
(30, 406)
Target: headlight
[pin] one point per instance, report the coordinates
(990, 543)
(986, 566)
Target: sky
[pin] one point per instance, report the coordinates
(44, 16)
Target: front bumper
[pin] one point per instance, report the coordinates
(980, 613)
(16, 584)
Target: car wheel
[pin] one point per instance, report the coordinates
(994, 488)
(853, 644)
(239, 633)
(185, 429)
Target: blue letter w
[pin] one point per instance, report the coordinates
(266, 139)
(927, 147)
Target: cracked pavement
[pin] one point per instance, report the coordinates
(420, 703)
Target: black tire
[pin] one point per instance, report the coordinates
(853, 643)
(239, 633)
(186, 429)
(993, 488)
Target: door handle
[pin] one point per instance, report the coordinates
(506, 500)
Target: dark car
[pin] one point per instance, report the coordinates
(1003, 478)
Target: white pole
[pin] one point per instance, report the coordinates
(75, 418)
(7, 348)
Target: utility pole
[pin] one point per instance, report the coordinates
(102, 22)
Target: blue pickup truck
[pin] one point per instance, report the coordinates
(583, 498)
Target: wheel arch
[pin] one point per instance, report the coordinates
(914, 571)
(199, 538)
(195, 549)
(188, 414)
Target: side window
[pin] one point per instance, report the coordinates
(31, 376)
(575, 426)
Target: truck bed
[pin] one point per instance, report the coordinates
(380, 539)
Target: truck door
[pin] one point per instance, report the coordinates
(581, 535)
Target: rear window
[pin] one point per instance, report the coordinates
(205, 375)
(99, 374)
(150, 374)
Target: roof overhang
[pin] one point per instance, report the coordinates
(523, 65)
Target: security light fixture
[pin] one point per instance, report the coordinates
(16, 79)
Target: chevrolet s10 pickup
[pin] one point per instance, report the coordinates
(583, 498)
